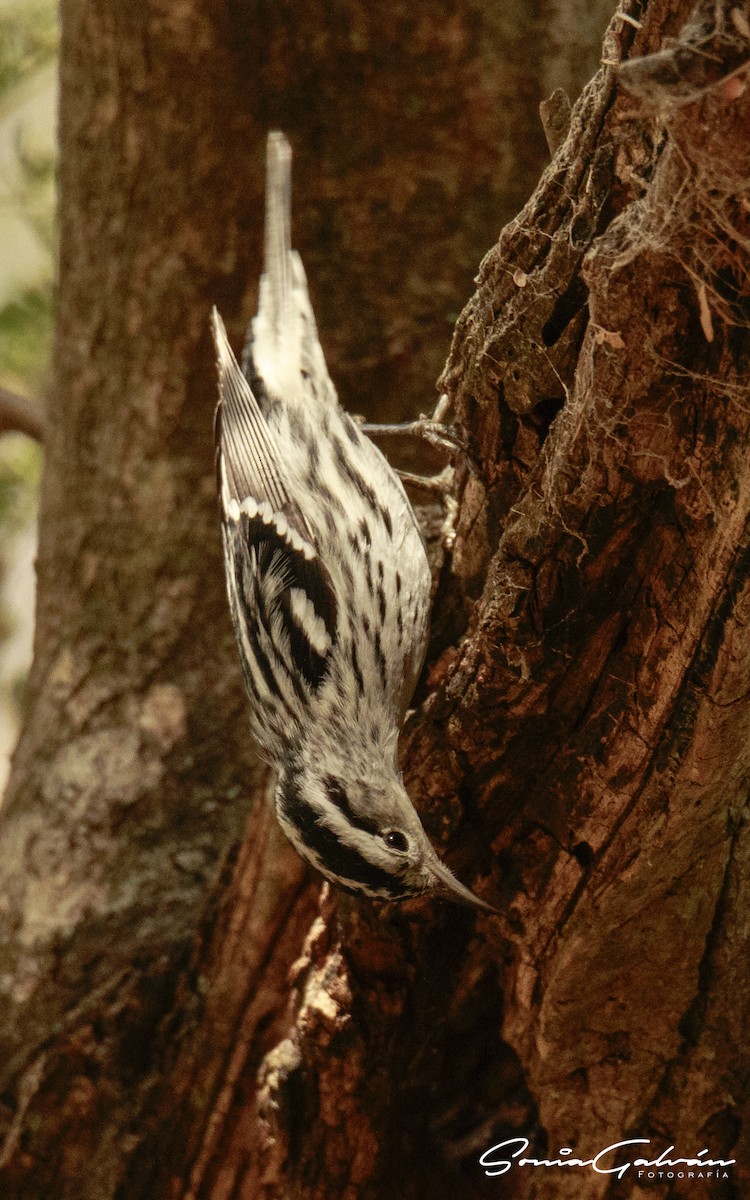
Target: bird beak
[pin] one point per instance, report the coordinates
(445, 884)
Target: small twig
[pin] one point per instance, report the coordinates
(18, 414)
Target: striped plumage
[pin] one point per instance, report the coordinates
(328, 586)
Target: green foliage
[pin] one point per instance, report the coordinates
(20, 464)
(25, 336)
(28, 41)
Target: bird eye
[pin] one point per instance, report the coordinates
(395, 840)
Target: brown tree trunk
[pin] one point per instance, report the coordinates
(183, 1014)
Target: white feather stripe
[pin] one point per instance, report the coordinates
(308, 621)
(250, 507)
(272, 644)
(248, 655)
(243, 619)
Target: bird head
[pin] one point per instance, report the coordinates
(361, 830)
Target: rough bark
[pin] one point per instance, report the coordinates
(581, 747)
(151, 915)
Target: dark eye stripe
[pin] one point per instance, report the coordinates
(344, 864)
(339, 797)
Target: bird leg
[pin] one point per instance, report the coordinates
(436, 433)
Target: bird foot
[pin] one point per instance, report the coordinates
(435, 432)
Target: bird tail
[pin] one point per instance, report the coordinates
(276, 306)
(283, 358)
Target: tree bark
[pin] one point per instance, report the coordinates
(184, 1014)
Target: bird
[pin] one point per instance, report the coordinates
(328, 585)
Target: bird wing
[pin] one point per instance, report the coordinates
(244, 445)
(281, 595)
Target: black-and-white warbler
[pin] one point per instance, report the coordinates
(328, 585)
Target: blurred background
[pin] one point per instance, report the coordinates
(28, 97)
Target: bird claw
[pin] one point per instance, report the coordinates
(429, 430)
(432, 430)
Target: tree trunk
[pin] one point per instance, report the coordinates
(184, 1013)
